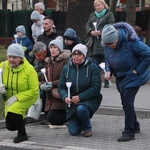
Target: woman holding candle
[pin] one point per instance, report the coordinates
(54, 106)
(21, 83)
(97, 20)
(84, 95)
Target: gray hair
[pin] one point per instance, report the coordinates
(39, 46)
(40, 5)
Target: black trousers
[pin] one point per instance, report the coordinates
(56, 117)
(15, 122)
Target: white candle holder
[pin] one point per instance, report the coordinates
(68, 84)
(2, 87)
(102, 65)
(95, 26)
(43, 70)
(15, 36)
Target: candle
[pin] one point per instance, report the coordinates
(2, 88)
(43, 70)
(68, 84)
(15, 36)
(95, 26)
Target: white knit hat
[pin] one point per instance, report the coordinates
(80, 47)
(15, 50)
(57, 42)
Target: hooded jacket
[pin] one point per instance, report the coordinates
(53, 71)
(21, 82)
(130, 54)
(85, 80)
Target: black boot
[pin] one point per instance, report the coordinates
(20, 126)
(20, 138)
(106, 84)
(127, 136)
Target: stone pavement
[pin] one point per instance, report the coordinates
(106, 129)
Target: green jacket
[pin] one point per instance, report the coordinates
(85, 80)
(107, 18)
(21, 82)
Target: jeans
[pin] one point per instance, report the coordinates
(80, 121)
(128, 97)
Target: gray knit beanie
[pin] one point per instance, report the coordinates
(21, 29)
(57, 42)
(109, 34)
(80, 47)
(15, 50)
(35, 15)
(70, 34)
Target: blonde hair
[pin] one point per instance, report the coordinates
(102, 2)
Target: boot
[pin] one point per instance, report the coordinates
(106, 84)
(20, 138)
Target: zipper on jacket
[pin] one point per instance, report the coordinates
(77, 78)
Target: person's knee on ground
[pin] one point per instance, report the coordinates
(57, 117)
(9, 123)
(74, 126)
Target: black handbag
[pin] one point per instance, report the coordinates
(89, 42)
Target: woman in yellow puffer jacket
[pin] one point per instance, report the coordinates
(21, 83)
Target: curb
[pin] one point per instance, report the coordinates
(103, 110)
(117, 111)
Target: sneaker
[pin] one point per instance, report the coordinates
(20, 138)
(127, 136)
(136, 130)
(87, 133)
(106, 84)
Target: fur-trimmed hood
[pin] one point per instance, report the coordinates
(129, 32)
(63, 55)
(126, 32)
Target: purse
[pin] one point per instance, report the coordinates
(89, 42)
(35, 110)
(55, 93)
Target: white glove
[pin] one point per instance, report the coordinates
(11, 100)
(2, 89)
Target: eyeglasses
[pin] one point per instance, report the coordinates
(77, 53)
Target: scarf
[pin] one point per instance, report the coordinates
(100, 14)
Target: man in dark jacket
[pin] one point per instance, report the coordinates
(49, 32)
(128, 58)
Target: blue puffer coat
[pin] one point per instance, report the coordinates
(85, 80)
(129, 54)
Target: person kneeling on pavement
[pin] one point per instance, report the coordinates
(22, 89)
(85, 97)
